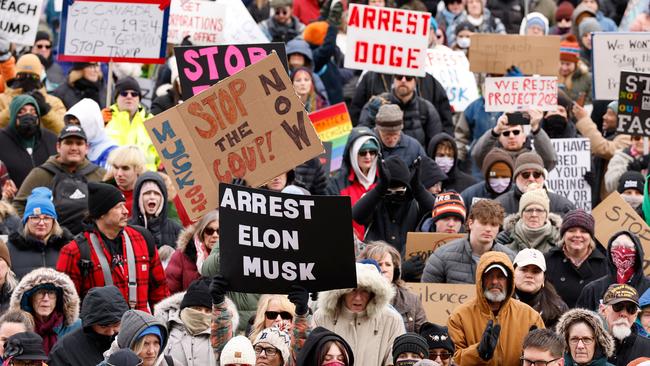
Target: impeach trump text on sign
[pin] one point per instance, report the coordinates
(634, 104)
(423, 244)
(271, 241)
(613, 215)
(613, 53)
(495, 53)
(203, 66)
(250, 125)
(440, 299)
(567, 179)
(117, 30)
(520, 93)
(387, 40)
(333, 125)
(19, 20)
(451, 69)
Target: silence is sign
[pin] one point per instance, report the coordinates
(634, 104)
(271, 241)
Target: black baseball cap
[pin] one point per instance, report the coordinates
(72, 130)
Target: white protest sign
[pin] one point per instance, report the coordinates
(567, 179)
(520, 93)
(392, 41)
(616, 52)
(19, 20)
(451, 69)
(148, 92)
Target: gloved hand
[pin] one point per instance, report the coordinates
(239, 182)
(218, 289)
(299, 297)
(107, 115)
(412, 268)
(5, 54)
(335, 13)
(384, 176)
(373, 106)
(415, 177)
(325, 9)
(589, 178)
(43, 106)
(514, 71)
(489, 341)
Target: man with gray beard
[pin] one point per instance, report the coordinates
(619, 309)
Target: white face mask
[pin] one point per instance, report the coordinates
(445, 163)
(463, 42)
(634, 201)
(499, 185)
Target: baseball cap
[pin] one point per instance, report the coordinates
(530, 256)
(72, 130)
(620, 292)
(496, 265)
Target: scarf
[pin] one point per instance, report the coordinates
(46, 330)
(533, 237)
(624, 260)
(366, 180)
(202, 251)
(475, 21)
(195, 321)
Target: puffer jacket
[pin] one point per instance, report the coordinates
(510, 202)
(99, 144)
(457, 180)
(125, 131)
(509, 238)
(311, 175)
(370, 333)
(453, 262)
(52, 121)
(468, 321)
(28, 253)
(511, 13)
(181, 269)
(604, 341)
(474, 121)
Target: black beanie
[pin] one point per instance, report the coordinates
(41, 35)
(430, 173)
(82, 65)
(631, 180)
(127, 83)
(101, 198)
(198, 294)
(437, 336)
(410, 342)
(398, 171)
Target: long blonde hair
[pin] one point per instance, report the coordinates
(55, 231)
(263, 306)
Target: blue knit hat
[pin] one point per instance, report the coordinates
(39, 202)
(154, 330)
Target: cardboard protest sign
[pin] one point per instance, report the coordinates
(495, 53)
(386, 40)
(271, 241)
(333, 124)
(19, 20)
(634, 104)
(613, 53)
(451, 69)
(520, 93)
(250, 125)
(440, 299)
(567, 179)
(203, 66)
(114, 30)
(612, 215)
(423, 244)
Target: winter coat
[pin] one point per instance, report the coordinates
(54, 74)
(408, 149)
(468, 321)
(569, 280)
(604, 341)
(71, 93)
(490, 24)
(630, 348)
(52, 121)
(594, 291)
(409, 306)
(509, 238)
(453, 262)
(300, 46)
(541, 143)
(181, 269)
(457, 180)
(326, 67)
(92, 122)
(511, 13)
(370, 333)
(125, 131)
(552, 303)
(166, 101)
(474, 121)
(510, 202)
(9, 221)
(644, 302)
(276, 32)
(580, 82)
(617, 166)
(311, 175)
(314, 346)
(28, 253)
(478, 191)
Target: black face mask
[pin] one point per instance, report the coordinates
(27, 125)
(28, 84)
(554, 125)
(562, 30)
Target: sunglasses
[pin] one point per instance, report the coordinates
(628, 306)
(407, 77)
(129, 93)
(443, 355)
(527, 175)
(514, 133)
(366, 152)
(43, 46)
(209, 231)
(272, 315)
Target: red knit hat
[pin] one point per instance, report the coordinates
(315, 33)
(564, 11)
(448, 204)
(569, 49)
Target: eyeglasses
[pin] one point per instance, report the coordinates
(272, 315)
(129, 93)
(443, 355)
(209, 231)
(585, 340)
(42, 292)
(269, 351)
(536, 211)
(628, 306)
(366, 152)
(514, 133)
(281, 11)
(527, 175)
(39, 219)
(399, 191)
(526, 362)
(407, 77)
(43, 46)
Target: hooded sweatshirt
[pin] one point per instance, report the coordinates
(314, 346)
(100, 145)
(457, 180)
(133, 323)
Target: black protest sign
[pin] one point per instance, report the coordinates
(270, 241)
(200, 67)
(634, 104)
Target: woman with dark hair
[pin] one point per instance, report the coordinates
(325, 348)
(303, 83)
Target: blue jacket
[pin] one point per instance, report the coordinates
(479, 120)
(644, 301)
(606, 23)
(408, 149)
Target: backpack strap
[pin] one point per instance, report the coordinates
(87, 169)
(130, 259)
(103, 262)
(85, 263)
(169, 360)
(50, 168)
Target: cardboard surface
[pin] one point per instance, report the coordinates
(423, 244)
(495, 53)
(440, 299)
(333, 125)
(19, 20)
(451, 69)
(634, 104)
(567, 178)
(508, 94)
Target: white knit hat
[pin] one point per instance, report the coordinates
(278, 339)
(238, 350)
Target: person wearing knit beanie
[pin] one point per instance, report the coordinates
(276, 341)
(390, 118)
(441, 347)
(497, 170)
(102, 198)
(630, 186)
(315, 33)
(39, 203)
(534, 196)
(556, 122)
(198, 295)
(431, 175)
(564, 11)
(238, 351)
(578, 218)
(569, 51)
(535, 24)
(529, 162)
(127, 84)
(586, 27)
(409, 347)
(448, 212)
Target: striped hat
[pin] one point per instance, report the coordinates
(448, 204)
(569, 49)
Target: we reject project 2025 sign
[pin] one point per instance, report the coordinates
(271, 241)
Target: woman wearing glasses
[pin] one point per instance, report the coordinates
(39, 243)
(587, 341)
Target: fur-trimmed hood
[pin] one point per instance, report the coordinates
(168, 310)
(68, 303)
(186, 237)
(604, 340)
(369, 278)
(510, 221)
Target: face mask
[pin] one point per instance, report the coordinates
(406, 363)
(624, 259)
(463, 42)
(563, 30)
(634, 201)
(445, 163)
(499, 185)
(195, 321)
(334, 363)
(27, 125)
(554, 125)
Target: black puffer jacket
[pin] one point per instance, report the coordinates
(71, 93)
(457, 180)
(28, 253)
(511, 13)
(311, 175)
(18, 161)
(631, 348)
(166, 101)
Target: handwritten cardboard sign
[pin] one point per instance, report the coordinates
(19, 20)
(387, 40)
(634, 104)
(440, 299)
(250, 125)
(567, 179)
(451, 69)
(333, 125)
(199, 67)
(520, 93)
(115, 30)
(424, 244)
(495, 53)
(613, 53)
(612, 215)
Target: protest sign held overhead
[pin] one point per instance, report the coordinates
(250, 125)
(451, 69)
(567, 178)
(634, 104)
(19, 20)
(496, 53)
(520, 94)
(115, 30)
(270, 241)
(423, 244)
(616, 52)
(333, 125)
(440, 299)
(386, 40)
(203, 66)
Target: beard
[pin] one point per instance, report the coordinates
(621, 329)
(492, 297)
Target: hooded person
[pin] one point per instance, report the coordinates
(444, 151)
(578, 324)
(497, 169)
(585, 30)
(322, 343)
(534, 24)
(89, 116)
(558, 123)
(448, 214)
(101, 313)
(84, 81)
(431, 176)
(299, 54)
(490, 328)
(642, 323)
(625, 260)
(363, 317)
(123, 357)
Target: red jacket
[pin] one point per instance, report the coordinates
(306, 10)
(150, 278)
(355, 190)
